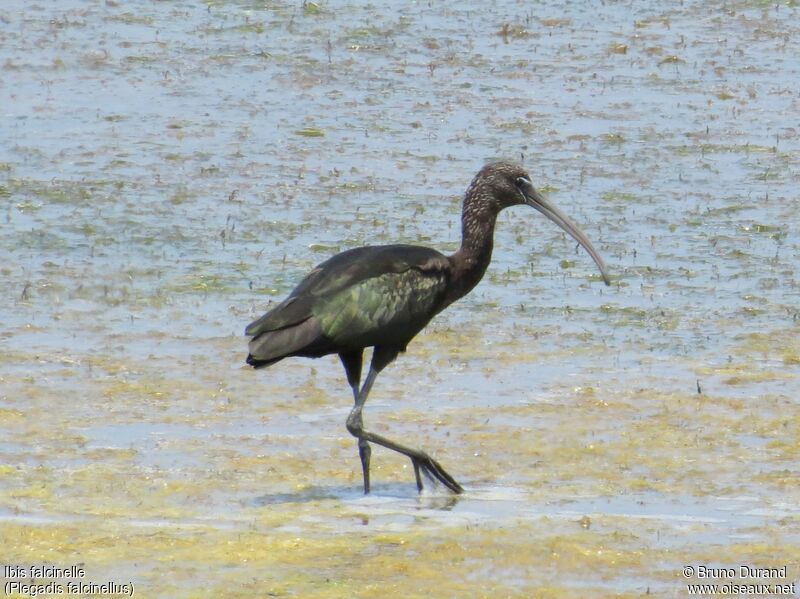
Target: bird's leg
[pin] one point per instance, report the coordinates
(355, 425)
(419, 459)
(352, 365)
(417, 475)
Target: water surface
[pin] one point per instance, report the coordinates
(169, 169)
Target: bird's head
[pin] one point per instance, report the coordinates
(504, 184)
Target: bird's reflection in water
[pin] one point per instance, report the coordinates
(391, 494)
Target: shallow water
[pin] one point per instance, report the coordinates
(172, 168)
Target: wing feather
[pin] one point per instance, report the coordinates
(358, 298)
(387, 309)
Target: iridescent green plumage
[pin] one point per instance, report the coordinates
(359, 298)
(397, 304)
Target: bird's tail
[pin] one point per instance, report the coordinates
(302, 339)
(256, 363)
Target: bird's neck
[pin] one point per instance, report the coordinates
(472, 259)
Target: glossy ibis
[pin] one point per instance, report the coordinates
(382, 296)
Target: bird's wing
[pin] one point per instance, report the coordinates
(393, 288)
(391, 294)
(289, 312)
(298, 306)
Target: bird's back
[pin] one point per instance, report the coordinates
(376, 295)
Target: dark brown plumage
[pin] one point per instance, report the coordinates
(382, 296)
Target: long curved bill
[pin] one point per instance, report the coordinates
(535, 199)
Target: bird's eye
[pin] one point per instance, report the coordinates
(523, 182)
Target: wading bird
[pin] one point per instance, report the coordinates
(382, 296)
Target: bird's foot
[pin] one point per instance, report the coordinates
(422, 461)
(434, 471)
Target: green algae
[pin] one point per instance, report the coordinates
(310, 132)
